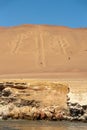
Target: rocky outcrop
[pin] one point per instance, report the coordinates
(77, 105)
(41, 100)
(36, 100)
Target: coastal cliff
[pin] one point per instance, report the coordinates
(40, 100)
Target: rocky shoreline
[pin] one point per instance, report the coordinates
(39, 101)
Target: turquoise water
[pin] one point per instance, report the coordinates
(42, 125)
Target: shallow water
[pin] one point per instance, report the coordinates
(42, 125)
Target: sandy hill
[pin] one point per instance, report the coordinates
(42, 48)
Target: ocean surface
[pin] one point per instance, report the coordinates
(41, 125)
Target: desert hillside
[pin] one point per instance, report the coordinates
(42, 49)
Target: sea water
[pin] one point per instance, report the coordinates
(42, 125)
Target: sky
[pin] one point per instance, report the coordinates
(71, 13)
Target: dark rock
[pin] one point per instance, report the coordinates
(2, 86)
(9, 84)
(20, 85)
(36, 116)
(31, 103)
(84, 107)
(75, 112)
(85, 116)
(59, 116)
(82, 118)
(42, 115)
(7, 92)
(49, 115)
(4, 117)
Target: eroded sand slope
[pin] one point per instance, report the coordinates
(42, 48)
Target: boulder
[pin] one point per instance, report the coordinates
(7, 91)
(2, 86)
(14, 113)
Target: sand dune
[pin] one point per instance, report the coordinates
(42, 49)
(52, 63)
